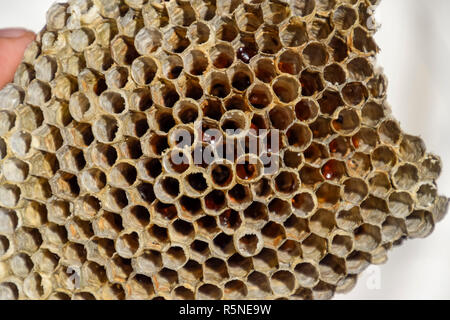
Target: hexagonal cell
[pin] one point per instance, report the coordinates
(334, 74)
(235, 289)
(108, 225)
(209, 292)
(314, 247)
(282, 282)
(122, 175)
(344, 17)
(322, 223)
(406, 176)
(374, 210)
(294, 34)
(311, 83)
(265, 70)
(367, 238)
(258, 285)
(181, 231)
(215, 270)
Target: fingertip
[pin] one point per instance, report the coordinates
(13, 43)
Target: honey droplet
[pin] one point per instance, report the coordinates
(297, 201)
(338, 123)
(245, 171)
(167, 211)
(331, 170)
(287, 67)
(259, 100)
(245, 54)
(355, 141)
(334, 146)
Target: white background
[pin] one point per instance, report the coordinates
(415, 45)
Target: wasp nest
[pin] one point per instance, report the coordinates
(128, 159)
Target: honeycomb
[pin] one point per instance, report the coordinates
(105, 189)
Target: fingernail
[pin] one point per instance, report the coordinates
(13, 32)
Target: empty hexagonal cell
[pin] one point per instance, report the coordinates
(112, 292)
(200, 249)
(306, 110)
(367, 237)
(93, 180)
(8, 221)
(209, 292)
(122, 175)
(341, 244)
(241, 77)
(273, 234)
(314, 247)
(9, 291)
(379, 184)
(286, 88)
(164, 212)
(37, 286)
(359, 164)
(166, 188)
(230, 221)
(311, 82)
(235, 289)
(175, 257)
(393, 229)
(15, 170)
(108, 225)
(45, 261)
(282, 282)
(334, 74)
(5, 246)
(359, 69)
(406, 176)
(419, 224)
(389, 132)
(215, 270)
(332, 269)
(296, 228)
(21, 264)
(258, 285)
(374, 210)
(148, 263)
(226, 30)
(199, 32)
(183, 293)
(322, 222)
(144, 70)
(279, 210)
(307, 274)
(315, 54)
(127, 244)
(344, 17)
(265, 70)
(191, 208)
(191, 272)
(248, 243)
(294, 34)
(118, 269)
(328, 194)
(181, 231)
(347, 122)
(215, 202)
(79, 230)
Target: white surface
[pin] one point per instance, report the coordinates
(415, 44)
